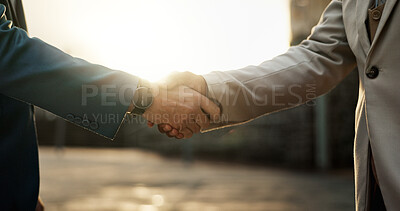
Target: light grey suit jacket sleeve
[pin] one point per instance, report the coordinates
(39, 74)
(304, 72)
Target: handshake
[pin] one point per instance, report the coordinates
(178, 105)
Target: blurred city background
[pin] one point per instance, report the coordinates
(299, 159)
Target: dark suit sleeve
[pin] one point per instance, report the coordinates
(86, 94)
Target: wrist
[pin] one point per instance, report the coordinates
(142, 98)
(154, 93)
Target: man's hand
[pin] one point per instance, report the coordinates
(193, 81)
(181, 108)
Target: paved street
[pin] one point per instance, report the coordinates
(126, 179)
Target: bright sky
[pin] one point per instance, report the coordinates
(151, 38)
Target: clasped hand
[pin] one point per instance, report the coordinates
(180, 107)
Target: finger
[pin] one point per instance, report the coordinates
(150, 124)
(210, 108)
(194, 127)
(166, 127)
(173, 132)
(170, 130)
(170, 136)
(180, 136)
(187, 133)
(202, 120)
(189, 121)
(160, 128)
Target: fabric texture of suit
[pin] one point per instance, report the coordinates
(33, 73)
(337, 45)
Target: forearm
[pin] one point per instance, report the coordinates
(301, 74)
(39, 74)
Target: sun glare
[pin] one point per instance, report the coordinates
(151, 38)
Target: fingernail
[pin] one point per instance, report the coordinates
(174, 132)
